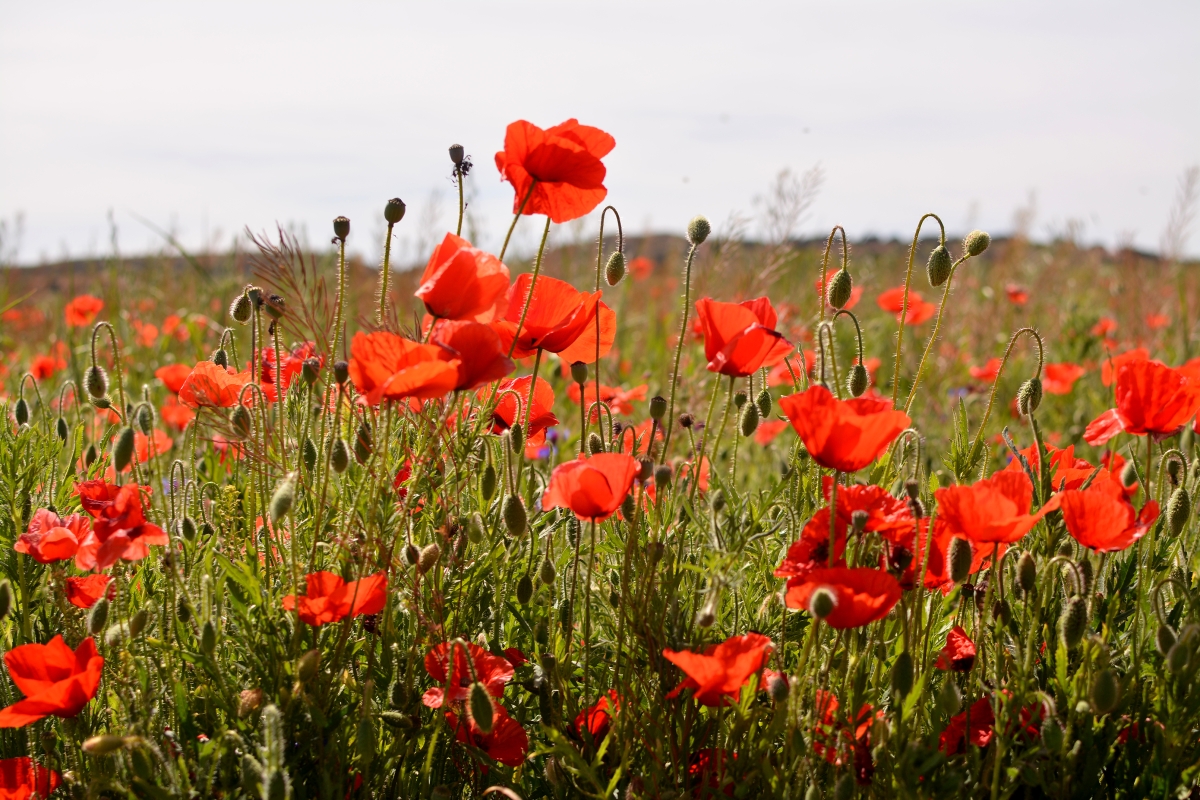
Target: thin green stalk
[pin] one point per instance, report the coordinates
(912, 253)
(537, 269)
(687, 305)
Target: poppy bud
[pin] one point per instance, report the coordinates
(1178, 657)
(187, 528)
(1129, 474)
(1073, 622)
(763, 401)
(339, 456)
(1174, 471)
(480, 708)
(363, 444)
(516, 438)
(6, 598)
(21, 411)
(706, 618)
(475, 531)
(208, 638)
(949, 699)
(240, 419)
(912, 489)
(524, 590)
(844, 788)
(61, 429)
(122, 451)
(777, 687)
(1106, 691)
(307, 666)
(857, 380)
(137, 623)
(739, 400)
(341, 228)
(240, 309)
(822, 603)
(98, 402)
(1001, 611)
(103, 745)
(515, 518)
(98, 617)
(429, 556)
(1029, 396)
(341, 372)
(1026, 572)
(309, 370)
(595, 444)
(487, 483)
(939, 265)
(958, 557)
(840, 286)
(285, 495)
(749, 419)
(183, 611)
(411, 554)
(1066, 549)
(1164, 639)
(145, 418)
(393, 212)
(686, 420)
(614, 270)
(308, 453)
(1179, 508)
(1086, 571)
(219, 357)
(718, 500)
(698, 230)
(628, 506)
(579, 372)
(902, 675)
(662, 475)
(95, 380)
(1052, 734)
(858, 520)
(976, 242)
(645, 469)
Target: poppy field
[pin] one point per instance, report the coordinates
(646, 518)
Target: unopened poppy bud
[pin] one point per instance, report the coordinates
(183, 610)
(718, 500)
(393, 212)
(777, 687)
(285, 495)
(524, 590)
(1164, 639)
(739, 400)
(95, 380)
(658, 407)
(912, 489)
(1174, 471)
(1072, 624)
(1129, 474)
(208, 638)
(1029, 396)
(240, 420)
(487, 483)
(1179, 508)
(1052, 735)
(308, 454)
(516, 438)
(749, 419)
(98, 616)
(61, 430)
(339, 456)
(840, 287)
(122, 451)
(137, 623)
(102, 403)
(858, 520)
(341, 228)
(429, 556)
(857, 380)
(645, 469)
(976, 242)
(21, 411)
(822, 603)
(698, 230)
(902, 674)
(1106, 691)
(686, 420)
(579, 372)
(341, 372)
(241, 308)
(475, 530)
(949, 698)
(662, 475)
(309, 370)
(1026, 572)
(103, 745)
(1086, 571)
(187, 528)
(480, 708)
(411, 554)
(939, 265)
(763, 401)
(515, 518)
(363, 444)
(219, 357)
(844, 788)
(307, 666)
(547, 573)
(958, 556)
(6, 599)
(255, 294)
(595, 444)
(145, 418)
(614, 270)
(628, 506)
(1178, 657)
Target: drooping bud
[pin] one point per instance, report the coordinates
(122, 451)
(658, 407)
(187, 528)
(363, 443)
(1073, 622)
(285, 495)
(857, 380)
(309, 454)
(698, 230)
(595, 444)
(686, 420)
(1164, 639)
(515, 518)
(430, 554)
(21, 411)
(137, 623)
(902, 675)
(480, 708)
(976, 242)
(645, 469)
(1174, 471)
(939, 265)
(614, 270)
(763, 401)
(307, 666)
(1029, 396)
(1106, 691)
(718, 500)
(341, 228)
(310, 370)
(1026, 572)
(840, 287)
(1178, 657)
(1052, 735)
(241, 308)
(579, 372)
(61, 429)
(98, 616)
(487, 483)
(524, 590)
(341, 372)
(822, 603)
(516, 438)
(95, 380)
(339, 456)
(240, 420)
(103, 745)
(220, 358)
(145, 418)
(749, 419)
(1179, 508)
(958, 556)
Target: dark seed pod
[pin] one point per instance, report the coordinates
(976, 242)
(1106, 691)
(614, 270)
(6, 599)
(341, 372)
(524, 590)
(21, 411)
(122, 451)
(902, 675)
(939, 265)
(515, 518)
(393, 212)
(595, 444)
(658, 407)
(763, 401)
(240, 419)
(341, 228)
(749, 419)
(959, 555)
(309, 454)
(95, 380)
(487, 483)
(339, 456)
(1029, 396)
(61, 429)
(480, 708)
(579, 372)
(1072, 624)
(645, 469)
(662, 475)
(857, 381)
(840, 287)
(686, 420)
(220, 358)
(98, 616)
(1179, 508)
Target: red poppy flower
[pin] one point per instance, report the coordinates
(175, 413)
(1017, 295)
(1069, 472)
(507, 743)
(959, 653)
(82, 310)
(51, 538)
(919, 310)
(1102, 519)
(84, 592)
(977, 726)
(641, 268)
(831, 735)
(120, 530)
(491, 670)
(708, 769)
(619, 400)
(211, 386)
(593, 488)
(1157, 321)
(478, 351)
(887, 515)
(44, 367)
(740, 338)
(565, 163)
(540, 415)
(1112, 365)
(635, 439)
(811, 551)
(994, 510)
(21, 778)
(561, 319)
(844, 435)
(717, 675)
(293, 363)
(173, 376)
(1104, 327)
(385, 366)
(1060, 378)
(768, 430)
(1152, 399)
(55, 680)
(988, 372)
(597, 718)
(861, 594)
(329, 598)
(463, 282)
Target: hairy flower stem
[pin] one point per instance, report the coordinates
(385, 271)
(516, 217)
(912, 253)
(987, 413)
(821, 300)
(937, 325)
(599, 268)
(537, 270)
(587, 620)
(687, 305)
(339, 310)
(833, 516)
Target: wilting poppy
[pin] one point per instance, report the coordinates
(959, 653)
(994, 510)
(597, 718)
(477, 350)
(593, 488)
(539, 415)
(44, 367)
(173, 376)
(988, 372)
(844, 435)
(82, 310)
(1152, 399)
(1112, 365)
(1060, 378)
(861, 594)
(51, 538)
(561, 319)
(717, 675)
(84, 592)
(21, 778)
(1102, 519)
(385, 366)
(919, 309)
(211, 386)
(329, 598)
(740, 338)
(55, 680)
(463, 282)
(120, 529)
(565, 163)
(507, 743)
(491, 670)
(619, 400)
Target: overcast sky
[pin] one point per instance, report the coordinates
(205, 118)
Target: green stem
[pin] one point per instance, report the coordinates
(386, 270)
(912, 252)
(687, 304)
(516, 217)
(537, 269)
(341, 302)
(937, 324)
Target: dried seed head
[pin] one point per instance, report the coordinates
(241, 308)
(614, 270)
(1029, 396)
(976, 242)
(698, 230)
(579, 372)
(840, 287)
(122, 451)
(457, 153)
(480, 708)
(1106, 691)
(939, 265)
(430, 554)
(393, 212)
(958, 556)
(341, 228)
(658, 407)
(686, 420)
(1026, 572)
(515, 518)
(857, 381)
(1073, 622)
(822, 603)
(95, 380)
(1179, 508)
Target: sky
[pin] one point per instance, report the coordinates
(204, 119)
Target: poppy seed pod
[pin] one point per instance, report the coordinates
(339, 456)
(840, 287)
(976, 242)
(1073, 622)
(749, 419)
(21, 411)
(614, 270)
(487, 483)
(628, 507)
(858, 520)
(579, 372)
(308, 665)
(686, 420)
(96, 381)
(430, 554)
(1029, 396)
(524, 590)
(457, 154)
(122, 451)
(822, 603)
(1164, 639)
(515, 518)
(341, 372)
(658, 407)
(341, 227)
(241, 308)
(1026, 572)
(6, 599)
(595, 444)
(393, 212)
(275, 305)
(777, 687)
(662, 475)
(1106, 691)
(240, 419)
(939, 265)
(857, 380)
(763, 401)
(1179, 508)
(285, 495)
(698, 230)
(411, 554)
(187, 528)
(958, 556)
(309, 371)
(480, 708)
(902, 675)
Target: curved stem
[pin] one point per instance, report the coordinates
(912, 252)
(687, 301)
(599, 258)
(937, 324)
(825, 264)
(996, 383)
(516, 217)
(827, 328)
(116, 350)
(537, 269)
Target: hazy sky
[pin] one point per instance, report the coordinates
(208, 117)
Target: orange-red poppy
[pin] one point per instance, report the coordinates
(51, 538)
(175, 413)
(1112, 364)
(619, 400)
(717, 675)
(173, 376)
(84, 592)
(55, 680)
(976, 725)
(210, 386)
(593, 488)
(845, 435)
(1102, 519)
(141, 446)
(769, 429)
(1060, 378)
(491, 670)
(1017, 295)
(564, 161)
(21, 778)
(740, 338)
(82, 310)
(507, 743)
(959, 653)
(597, 718)
(988, 372)
(44, 367)
(293, 363)
(1104, 327)
(1157, 321)
(561, 319)
(937, 572)
(476, 349)
(329, 598)
(463, 282)
(384, 366)
(1069, 472)
(119, 529)
(919, 309)
(811, 551)
(861, 595)
(641, 268)
(540, 414)
(1152, 399)
(993, 511)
